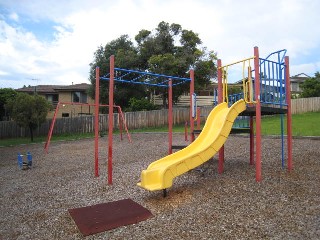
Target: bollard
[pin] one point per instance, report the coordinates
(20, 161)
(29, 157)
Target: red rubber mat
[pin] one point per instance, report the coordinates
(106, 216)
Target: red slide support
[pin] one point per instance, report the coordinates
(170, 117)
(96, 124)
(258, 113)
(289, 115)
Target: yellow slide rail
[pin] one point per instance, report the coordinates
(247, 86)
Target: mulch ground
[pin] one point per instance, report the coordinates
(202, 204)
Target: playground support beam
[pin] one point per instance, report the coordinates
(198, 118)
(220, 99)
(289, 116)
(46, 146)
(251, 141)
(258, 113)
(190, 114)
(96, 124)
(110, 126)
(170, 120)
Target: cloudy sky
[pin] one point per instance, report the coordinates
(53, 41)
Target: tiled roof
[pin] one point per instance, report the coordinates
(54, 88)
(301, 75)
(81, 86)
(299, 78)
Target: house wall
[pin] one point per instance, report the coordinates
(67, 110)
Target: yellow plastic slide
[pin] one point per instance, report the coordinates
(160, 174)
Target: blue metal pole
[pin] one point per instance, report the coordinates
(29, 157)
(281, 116)
(20, 161)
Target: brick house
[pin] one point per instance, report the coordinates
(76, 93)
(295, 82)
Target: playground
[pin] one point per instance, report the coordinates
(201, 204)
(221, 186)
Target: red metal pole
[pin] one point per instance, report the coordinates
(190, 114)
(198, 118)
(186, 131)
(46, 146)
(96, 124)
(289, 115)
(251, 141)
(110, 125)
(220, 99)
(120, 125)
(124, 123)
(258, 113)
(84, 104)
(170, 120)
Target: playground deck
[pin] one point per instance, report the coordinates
(201, 204)
(266, 109)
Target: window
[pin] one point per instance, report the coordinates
(295, 87)
(65, 115)
(79, 97)
(53, 99)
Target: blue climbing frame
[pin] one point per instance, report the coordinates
(274, 86)
(145, 78)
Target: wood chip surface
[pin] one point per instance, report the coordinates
(202, 204)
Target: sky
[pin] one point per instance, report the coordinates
(52, 42)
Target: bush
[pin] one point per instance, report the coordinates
(140, 105)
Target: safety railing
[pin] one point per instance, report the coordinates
(272, 80)
(247, 82)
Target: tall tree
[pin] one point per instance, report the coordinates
(168, 50)
(125, 57)
(6, 94)
(28, 111)
(311, 87)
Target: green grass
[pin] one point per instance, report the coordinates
(42, 139)
(306, 124)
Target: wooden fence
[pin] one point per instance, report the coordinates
(134, 120)
(85, 124)
(302, 105)
(185, 101)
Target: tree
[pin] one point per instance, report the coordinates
(164, 55)
(168, 50)
(311, 87)
(142, 104)
(28, 111)
(6, 94)
(126, 57)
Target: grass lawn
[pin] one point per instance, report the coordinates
(42, 139)
(306, 124)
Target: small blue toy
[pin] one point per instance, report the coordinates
(25, 165)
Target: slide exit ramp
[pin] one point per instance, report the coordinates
(160, 174)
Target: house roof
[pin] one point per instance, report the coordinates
(45, 89)
(80, 87)
(299, 78)
(301, 75)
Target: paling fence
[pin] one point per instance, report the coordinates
(302, 105)
(134, 120)
(85, 124)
